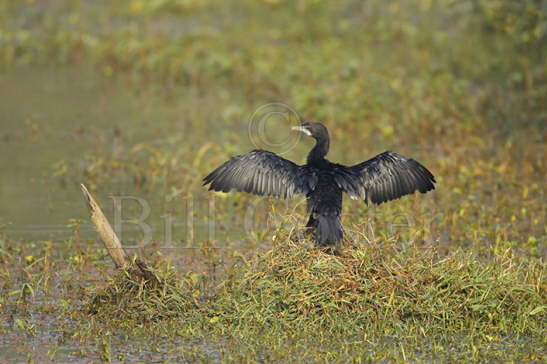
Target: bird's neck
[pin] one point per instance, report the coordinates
(319, 151)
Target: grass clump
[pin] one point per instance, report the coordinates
(386, 291)
(133, 297)
(294, 301)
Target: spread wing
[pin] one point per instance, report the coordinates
(262, 173)
(385, 177)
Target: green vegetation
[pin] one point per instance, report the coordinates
(456, 275)
(294, 302)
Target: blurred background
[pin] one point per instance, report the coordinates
(143, 98)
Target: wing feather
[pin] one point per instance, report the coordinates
(262, 173)
(385, 177)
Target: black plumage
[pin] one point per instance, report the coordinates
(385, 177)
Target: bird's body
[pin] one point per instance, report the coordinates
(383, 178)
(325, 207)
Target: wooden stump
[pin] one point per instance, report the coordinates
(111, 242)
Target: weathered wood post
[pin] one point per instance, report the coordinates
(106, 233)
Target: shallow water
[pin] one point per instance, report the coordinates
(49, 117)
(45, 114)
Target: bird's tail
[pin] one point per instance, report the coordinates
(328, 230)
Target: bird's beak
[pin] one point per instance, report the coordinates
(302, 129)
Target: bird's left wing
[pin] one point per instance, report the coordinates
(385, 177)
(262, 173)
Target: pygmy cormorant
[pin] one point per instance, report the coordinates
(385, 177)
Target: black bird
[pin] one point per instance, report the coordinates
(385, 177)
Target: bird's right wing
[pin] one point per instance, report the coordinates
(262, 173)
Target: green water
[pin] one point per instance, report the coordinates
(50, 116)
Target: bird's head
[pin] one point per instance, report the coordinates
(317, 131)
